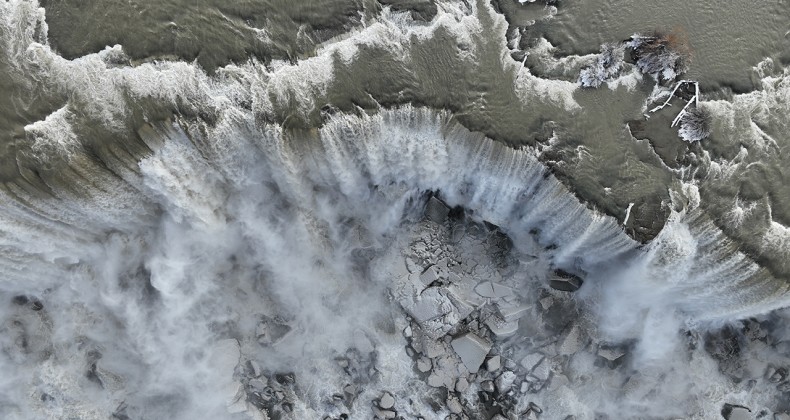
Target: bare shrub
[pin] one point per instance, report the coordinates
(695, 125)
(606, 67)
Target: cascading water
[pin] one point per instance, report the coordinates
(170, 252)
(232, 223)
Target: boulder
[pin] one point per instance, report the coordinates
(271, 331)
(430, 306)
(436, 211)
(492, 290)
(611, 353)
(501, 328)
(454, 405)
(736, 412)
(487, 386)
(472, 350)
(461, 385)
(424, 364)
(572, 342)
(386, 401)
(493, 364)
(512, 312)
(430, 275)
(564, 281)
(543, 370)
(505, 381)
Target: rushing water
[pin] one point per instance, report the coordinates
(158, 201)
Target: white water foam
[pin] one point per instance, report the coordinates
(221, 225)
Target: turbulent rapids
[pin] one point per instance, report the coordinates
(174, 248)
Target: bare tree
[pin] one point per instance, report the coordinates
(663, 56)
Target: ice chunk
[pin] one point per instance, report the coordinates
(254, 368)
(225, 356)
(543, 370)
(501, 328)
(428, 307)
(611, 353)
(531, 360)
(511, 312)
(430, 275)
(466, 295)
(385, 414)
(472, 350)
